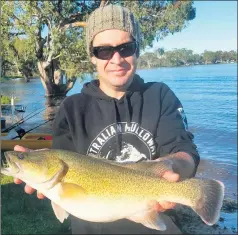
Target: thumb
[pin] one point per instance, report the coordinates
(21, 148)
(171, 176)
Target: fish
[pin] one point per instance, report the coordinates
(100, 190)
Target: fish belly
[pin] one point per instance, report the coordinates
(93, 208)
(101, 209)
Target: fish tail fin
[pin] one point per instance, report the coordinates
(208, 206)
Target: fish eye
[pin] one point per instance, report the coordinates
(20, 156)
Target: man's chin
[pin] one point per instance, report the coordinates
(122, 84)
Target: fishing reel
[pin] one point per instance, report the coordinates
(20, 131)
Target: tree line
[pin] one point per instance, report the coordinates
(184, 57)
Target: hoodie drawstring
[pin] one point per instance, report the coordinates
(117, 136)
(128, 116)
(128, 120)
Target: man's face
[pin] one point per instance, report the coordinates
(115, 73)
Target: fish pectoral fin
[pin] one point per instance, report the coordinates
(71, 191)
(60, 213)
(150, 219)
(67, 193)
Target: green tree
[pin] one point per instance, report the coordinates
(55, 29)
(209, 57)
(233, 55)
(184, 56)
(197, 59)
(4, 33)
(30, 20)
(23, 57)
(177, 57)
(218, 56)
(148, 60)
(17, 52)
(160, 51)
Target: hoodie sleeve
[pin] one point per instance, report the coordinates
(172, 133)
(62, 138)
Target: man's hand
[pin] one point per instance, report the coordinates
(165, 205)
(182, 166)
(28, 189)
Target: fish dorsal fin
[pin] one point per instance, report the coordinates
(157, 167)
(149, 166)
(60, 213)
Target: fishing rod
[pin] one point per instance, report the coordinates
(22, 119)
(21, 132)
(16, 123)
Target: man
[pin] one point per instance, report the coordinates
(120, 117)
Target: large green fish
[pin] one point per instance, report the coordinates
(100, 190)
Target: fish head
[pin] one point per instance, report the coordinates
(35, 166)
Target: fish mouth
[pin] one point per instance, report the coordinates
(9, 167)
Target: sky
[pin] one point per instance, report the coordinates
(214, 28)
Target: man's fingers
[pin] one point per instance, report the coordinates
(164, 205)
(40, 195)
(171, 176)
(29, 189)
(167, 205)
(158, 208)
(17, 181)
(21, 148)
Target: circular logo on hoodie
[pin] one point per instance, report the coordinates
(123, 142)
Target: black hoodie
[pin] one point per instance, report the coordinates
(146, 123)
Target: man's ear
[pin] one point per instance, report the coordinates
(93, 60)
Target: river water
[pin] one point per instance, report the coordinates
(208, 94)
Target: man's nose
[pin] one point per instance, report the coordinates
(116, 58)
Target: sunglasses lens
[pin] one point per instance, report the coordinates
(106, 52)
(103, 53)
(127, 49)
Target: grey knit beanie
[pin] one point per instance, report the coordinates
(111, 17)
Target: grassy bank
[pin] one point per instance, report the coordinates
(25, 214)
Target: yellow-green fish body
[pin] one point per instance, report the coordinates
(101, 191)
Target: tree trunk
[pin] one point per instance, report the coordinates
(25, 71)
(52, 79)
(27, 74)
(27, 79)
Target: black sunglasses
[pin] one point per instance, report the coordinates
(106, 52)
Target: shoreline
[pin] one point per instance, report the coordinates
(37, 77)
(182, 66)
